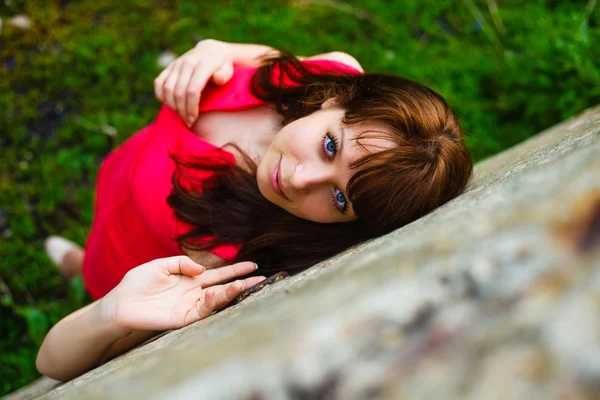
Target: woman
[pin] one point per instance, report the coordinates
(284, 163)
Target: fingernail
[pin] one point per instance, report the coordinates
(190, 121)
(255, 266)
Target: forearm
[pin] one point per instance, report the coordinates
(250, 55)
(78, 343)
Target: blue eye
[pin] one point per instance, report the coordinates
(329, 146)
(339, 201)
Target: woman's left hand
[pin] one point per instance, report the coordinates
(180, 85)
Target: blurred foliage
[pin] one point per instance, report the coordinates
(78, 82)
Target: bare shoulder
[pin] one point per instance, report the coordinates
(338, 56)
(252, 130)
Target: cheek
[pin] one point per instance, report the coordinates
(315, 208)
(286, 140)
(299, 140)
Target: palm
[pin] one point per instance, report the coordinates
(163, 294)
(162, 300)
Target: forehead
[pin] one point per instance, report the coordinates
(359, 141)
(363, 139)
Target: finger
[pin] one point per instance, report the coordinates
(206, 305)
(186, 72)
(224, 74)
(180, 265)
(219, 296)
(170, 84)
(230, 292)
(159, 82)
(253, 280)
(195, 88)
(234, 289)
(193, 93)
(227, 273)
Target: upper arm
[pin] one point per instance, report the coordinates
(338, 56)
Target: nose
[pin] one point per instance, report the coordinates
(306, 177)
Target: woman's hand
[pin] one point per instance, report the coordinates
(179, 86)
(159, 295)
(170, 293)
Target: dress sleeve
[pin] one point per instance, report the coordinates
(331, 67)
(320, 67)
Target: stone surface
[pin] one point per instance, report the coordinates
(495, 295)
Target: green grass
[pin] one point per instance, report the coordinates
(85, 68)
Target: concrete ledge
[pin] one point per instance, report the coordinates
(494, 295)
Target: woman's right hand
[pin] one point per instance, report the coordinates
(179, 86)
(170, 293)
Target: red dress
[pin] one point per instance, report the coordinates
(133, 223)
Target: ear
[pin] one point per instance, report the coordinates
(331, 102)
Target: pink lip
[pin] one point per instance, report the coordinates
(276, 180)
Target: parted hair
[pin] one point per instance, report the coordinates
(428, 165)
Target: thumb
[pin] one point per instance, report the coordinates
(224, 74)
(180, 265)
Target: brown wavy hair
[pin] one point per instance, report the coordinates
(428, 166)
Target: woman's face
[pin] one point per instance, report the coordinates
(306, 169)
